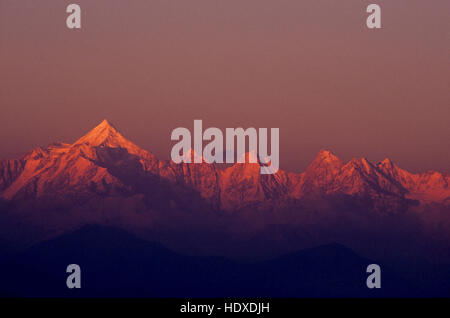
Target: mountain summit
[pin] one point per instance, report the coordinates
(106, 135)
(103, 134)
(82, 169)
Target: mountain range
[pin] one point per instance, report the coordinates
(103, 200)
(103, 178)
(104, 162)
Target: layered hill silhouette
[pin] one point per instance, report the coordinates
(104, 162)
(116, 264)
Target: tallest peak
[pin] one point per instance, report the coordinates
(105, 127)
(104, 133)
(105, 123)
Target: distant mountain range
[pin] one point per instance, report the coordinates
(382, 212)
(103, 162)
(103, 178)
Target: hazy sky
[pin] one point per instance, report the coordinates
(309, 67)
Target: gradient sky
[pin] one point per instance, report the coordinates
(309, 67)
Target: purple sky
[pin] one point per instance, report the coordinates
(310, 68)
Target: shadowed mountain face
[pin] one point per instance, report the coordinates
(103, 178)
(114, 263)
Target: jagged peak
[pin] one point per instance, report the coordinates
(327, 154)
(100, 134)
(365, 161)
(389, 167)
(326, 157)
(387, 163)
(367, 164)
(105, 134)
(363, 165)
(105, 122)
